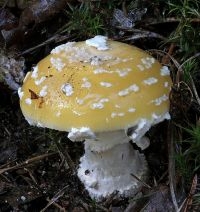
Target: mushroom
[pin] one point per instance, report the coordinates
(104, 93)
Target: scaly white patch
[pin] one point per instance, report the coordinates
(79, 101)
(39, 124)
(106, 84)
(141, 67)
(132, 88)
(104, 100)
(80, 134)
(140, 129)
(100, 71)
(99, 104)
(123, 92)
(57, 63)
(81, 55)
(76, 113)
(131, 110)
(43, 91)
(35, 72)
(164, 71)
(20, 93)
(86, 83)
(67, 89)
(146, 63)
(115, 61)
(39, 81)
(114, 114)
(121, 114)
(67, 47)
(58, 114)
(161, 99)
(150, 81)
(123, 72)
(98, 60)
(28, 101)
(127, 59)
(95, 61)
(143, 123)
(156, 118)
(99, 42)
(166, 84)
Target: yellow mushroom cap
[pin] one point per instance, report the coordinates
(99, 83)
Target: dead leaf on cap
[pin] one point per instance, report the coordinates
(33, 94)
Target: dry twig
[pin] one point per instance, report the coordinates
(65, 155)
(143, 183)
(171, 167)
(48, 41)
(26, 163)
(138, 34)
(166, 58)
(54, 199)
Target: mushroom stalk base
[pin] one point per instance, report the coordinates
(106, 172)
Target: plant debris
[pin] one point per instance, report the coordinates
(11, 70)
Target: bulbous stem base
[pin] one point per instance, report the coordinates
(109, 171)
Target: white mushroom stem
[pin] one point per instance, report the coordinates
(108, 164)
